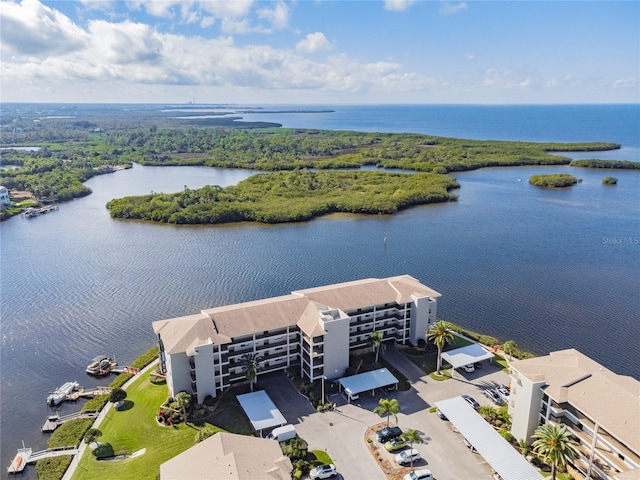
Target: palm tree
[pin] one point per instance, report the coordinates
(376, 338)
(249, 362)
(554, 445)
(509, 347)
(440, 333)
(183, 399)
(388, 407)
(412, 436)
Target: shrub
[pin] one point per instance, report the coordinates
(609, 181)
(104, 450)
(295, 449)
(297, 474)
(120, 380)
(554, 180)
(54, 467)
(91, 435)
(69, 433)
(146, 358)
(507, 435)
(117, 395)
(96, 403)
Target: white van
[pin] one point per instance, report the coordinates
(283, 433)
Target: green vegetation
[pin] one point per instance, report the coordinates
(609, 181)
(554, 446)
(440, 334)
(615, 164)
(146, 358)
(71, 152)
(322, 457)
(96, 403)
(53, 468)
(70, 433)
(388, 407)
(289, 197)
(554, 180)
(135, 429)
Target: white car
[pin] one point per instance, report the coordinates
(504, 393)
(323, 471)
(469, 368)
(493, 396)
(407, 456)
(423, 474)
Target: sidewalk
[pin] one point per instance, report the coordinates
(103, 413)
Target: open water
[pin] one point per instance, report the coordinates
(550, 269)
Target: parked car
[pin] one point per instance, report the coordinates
(471, 401)
(407, 456)
(504, 393)
(477, 365)
(423, 474)
(387, 433)
(323, 471)
(441, 415)
(469, 368)
(395, 444)
(493, 395)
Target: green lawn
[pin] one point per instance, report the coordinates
(131, 430)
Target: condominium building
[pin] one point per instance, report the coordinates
(310, 330)
(600, 408)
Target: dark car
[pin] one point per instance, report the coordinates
(441, 415)
(471, 401)
(387, 433)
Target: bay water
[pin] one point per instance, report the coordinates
(550, 269)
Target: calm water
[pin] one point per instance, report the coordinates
(549, 269)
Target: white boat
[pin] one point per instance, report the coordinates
(57, 397)
(101, 365)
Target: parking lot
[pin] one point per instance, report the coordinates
(341, 432)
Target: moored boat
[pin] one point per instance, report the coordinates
(57, 397)
(101, 365)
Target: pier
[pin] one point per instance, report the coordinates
(26, 456)
(83, 393)
(35, 211)
(54, 421)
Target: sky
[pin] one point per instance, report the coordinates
(320, 51)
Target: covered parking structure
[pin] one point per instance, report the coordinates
(363, 382)
(261, 411)
(498, 453)
(466, 355)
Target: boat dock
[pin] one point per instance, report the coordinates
(35, 211)
(131, 370)
(54, 421)
(81, 392)
(26, 456)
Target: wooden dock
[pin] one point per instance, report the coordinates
(54, 421)
(26, 456)
(84, 393)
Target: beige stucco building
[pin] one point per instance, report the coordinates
(600, 408)
(310, 330)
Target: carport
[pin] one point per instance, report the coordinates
(465, 355)
(261, 411)
(362, 382)
(498, 453)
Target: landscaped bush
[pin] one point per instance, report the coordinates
(117, 395)
(104, 450)
(70, 433)
(53, 468)
(146, 358)
(506, 435)
(96, 403)
(295, 449)
(121, 380)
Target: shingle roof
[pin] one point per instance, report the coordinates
(611, 400)
(229, 456)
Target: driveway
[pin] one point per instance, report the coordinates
(341, 432)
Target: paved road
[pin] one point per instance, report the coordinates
(341, 433)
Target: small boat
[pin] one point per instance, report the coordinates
(101, 365)
(57, 397)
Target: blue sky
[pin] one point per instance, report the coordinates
(320, 51)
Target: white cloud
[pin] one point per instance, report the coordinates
(314, 42)
(398, 5)
(625, 83)
(278, 16)
(448, 8)
(469, 57)
(31, 28)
